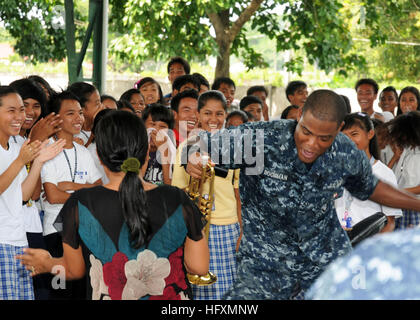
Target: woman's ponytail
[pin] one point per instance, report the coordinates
(122, 145)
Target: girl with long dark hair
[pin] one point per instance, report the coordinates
(404, 133)
(133, 239)
(359, 128)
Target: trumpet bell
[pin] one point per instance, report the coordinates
(196, 193)
(205, 280)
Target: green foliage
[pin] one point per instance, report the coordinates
(38, 28)
(318, 29)
(321, 33)
(393, 27)
(159, 29)
(31, 24)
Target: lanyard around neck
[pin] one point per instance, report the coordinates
(72, 174)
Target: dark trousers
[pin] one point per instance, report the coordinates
(74, 289)
(41, 286)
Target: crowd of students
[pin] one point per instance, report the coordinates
(56, 149)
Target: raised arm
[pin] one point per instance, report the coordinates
(396, 198)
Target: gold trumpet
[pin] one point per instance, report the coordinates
(205, 204)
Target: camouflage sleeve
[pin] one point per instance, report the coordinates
(360, 182)
(236, 148)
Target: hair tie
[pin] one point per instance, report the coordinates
(131, 164)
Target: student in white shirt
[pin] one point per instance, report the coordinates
(367, 91)
(359, 128)
(15, 188)
(405, 137)
(92, 146)
(34, 101)
(71, 170)
(91, 104)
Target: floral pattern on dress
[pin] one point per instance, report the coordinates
(114, 275)
(147, 276)
(99, 288)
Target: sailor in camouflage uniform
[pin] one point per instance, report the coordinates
(384, 267)
(291, 231)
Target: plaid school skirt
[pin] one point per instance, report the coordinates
(15, 280)
(409, 219)
(222, 247)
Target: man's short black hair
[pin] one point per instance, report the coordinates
(129, 93)
(347, 101)
(253, 89)
(326, 105)
(238, 113)
(293, 86)
(369, 81)
(175, 101)
(182, 80)
(106, 97)
(159, 112)
(287, 110)
(218, 82)
(56, 100)
(201, 79)
(182, 61)
(125, 104)
(82, 90)
(247, 100)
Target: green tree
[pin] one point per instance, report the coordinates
(38, 28)
(197, 29)
(395, 56)
(319, 31)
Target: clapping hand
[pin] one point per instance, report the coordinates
(49, 151)
(46, 127)
(29, 151)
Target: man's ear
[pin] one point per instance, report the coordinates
(300, 113)
(175, 115)
(371, 134)
(341, 126)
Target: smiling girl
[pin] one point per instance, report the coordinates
(90, 102)
(150, 90)
(34, 101)
(404, 132)
(359, 128)
(16, 186)
(225, 224)
(409, 100)
(71, 170)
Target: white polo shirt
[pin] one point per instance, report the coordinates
(59, 169)
(407, 169)
(12, 230)
(358, 209)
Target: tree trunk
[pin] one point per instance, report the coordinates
(223, 60)
(227, 32)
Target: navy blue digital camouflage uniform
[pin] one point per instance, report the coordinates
(290, 227)
(383, 267)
